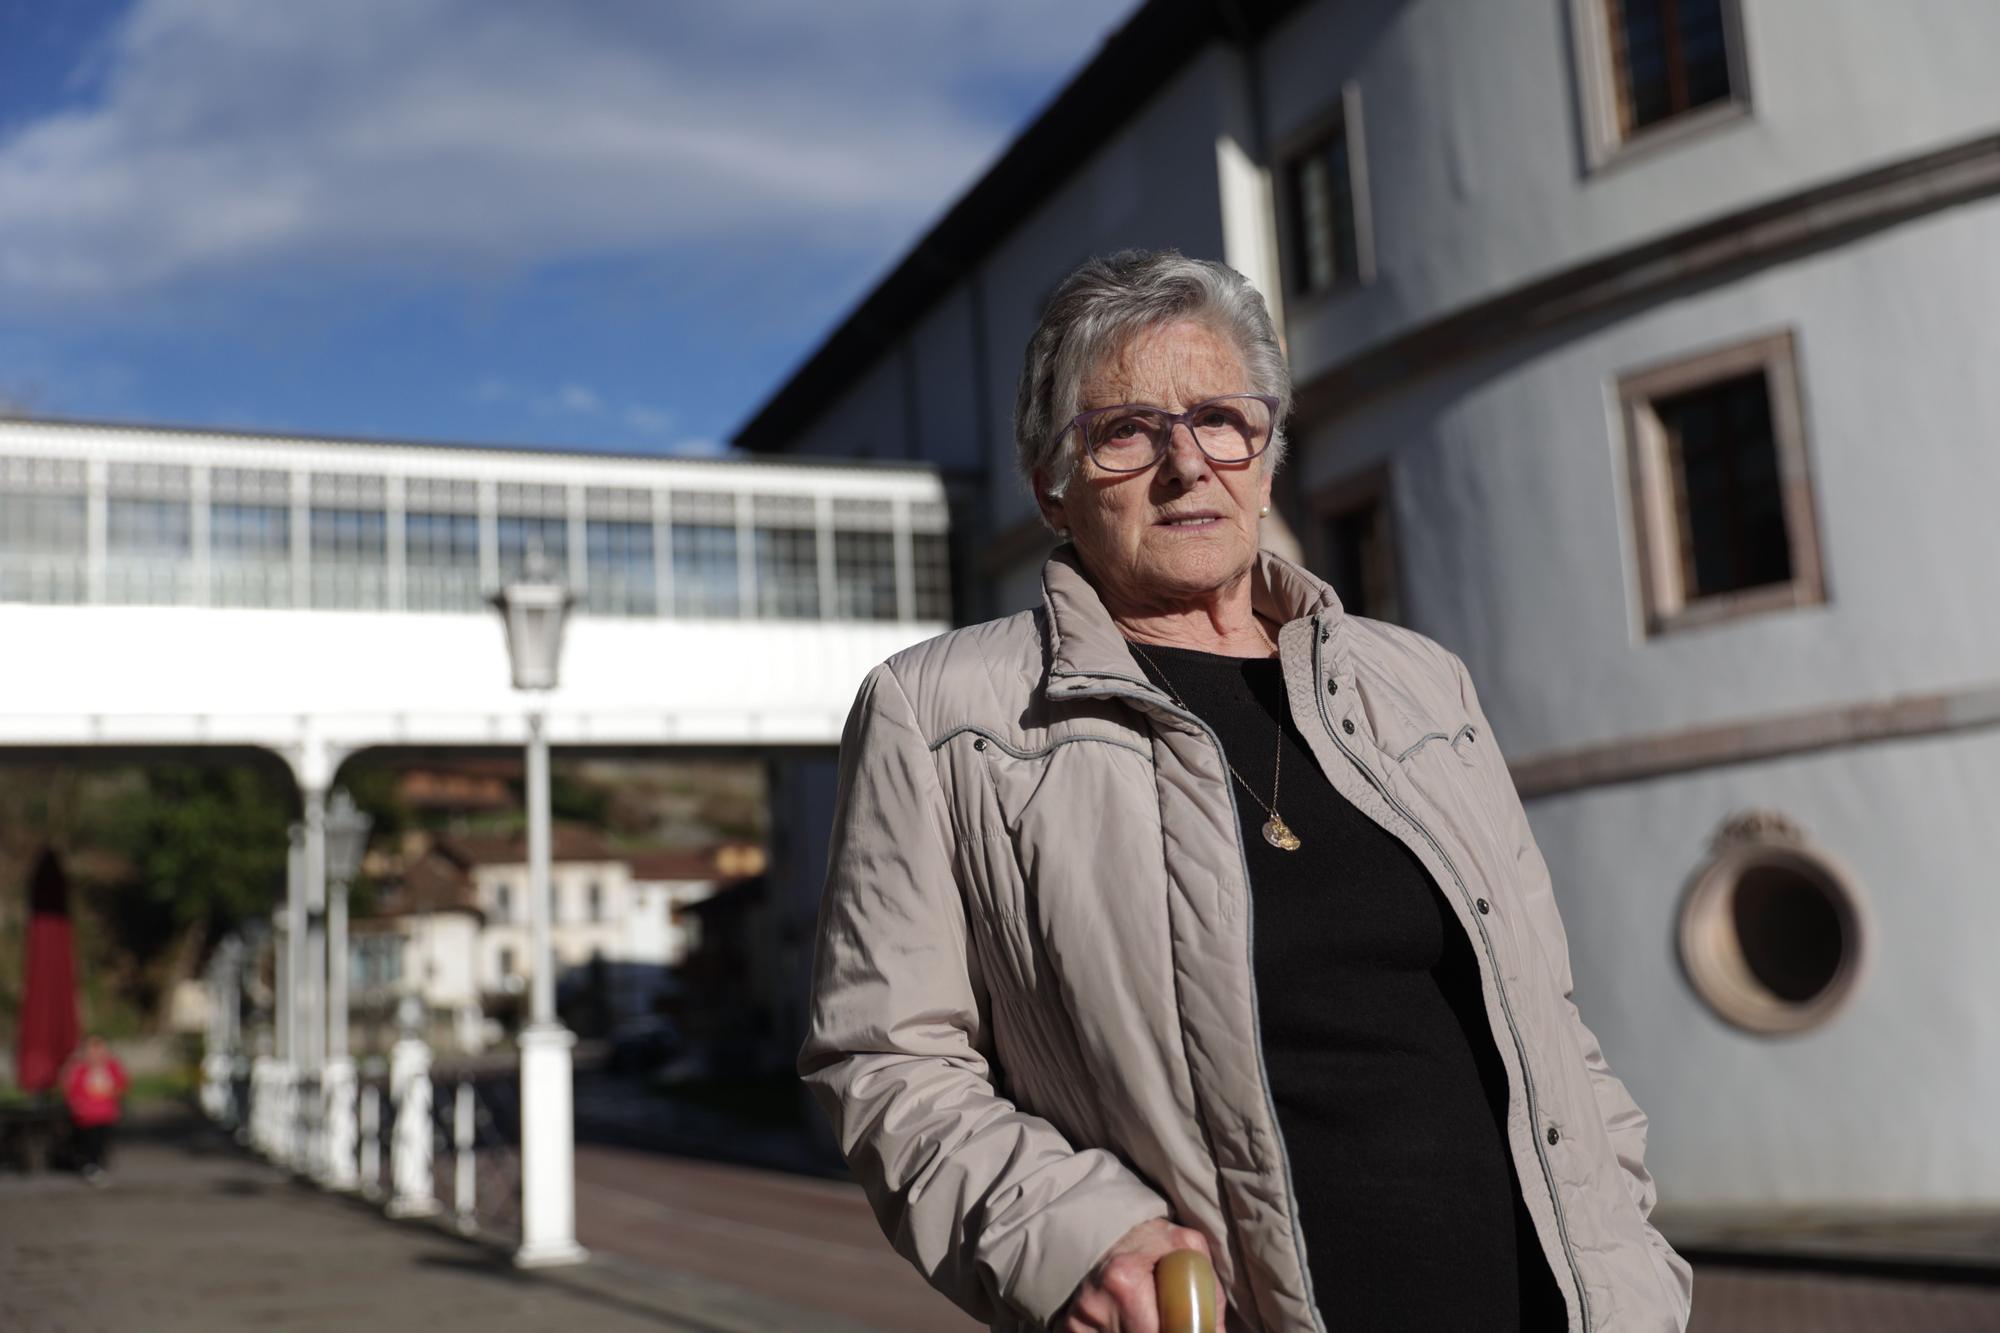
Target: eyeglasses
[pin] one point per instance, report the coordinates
(1131, 437)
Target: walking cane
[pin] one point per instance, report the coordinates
(1185, 1281)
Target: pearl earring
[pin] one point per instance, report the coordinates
(1265, 512)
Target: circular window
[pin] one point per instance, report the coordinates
(1773, 933)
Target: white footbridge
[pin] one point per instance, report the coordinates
(319, 597)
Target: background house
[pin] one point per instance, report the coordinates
(452, 929)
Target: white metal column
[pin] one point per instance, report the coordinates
(548, 1144)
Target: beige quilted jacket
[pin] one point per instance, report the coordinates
(1033, 1018)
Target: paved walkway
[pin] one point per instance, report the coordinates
(194, 1235)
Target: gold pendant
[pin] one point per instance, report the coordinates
(1280, 835)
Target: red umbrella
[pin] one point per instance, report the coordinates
(48, 1031)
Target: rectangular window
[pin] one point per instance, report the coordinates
(521, 533)
(149, 534)
(43, 531)
(788, 573)
(1358, 547)
(597, 902)
(249, 537)
(930, 568)
(620, 558)
(533, 516)
(250, 532)
(1324, 203)
(1722, 459)
(705, 572)
(378, 961)
(1722, 495)
(1323, 216)
(350, 554)
(1667, 57)
(441, 562)
(148, 527)
(249, 554)
(1651, 64)
(506, 963)
(864, 575)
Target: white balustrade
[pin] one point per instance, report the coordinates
(463, 1137)
(410, 1092)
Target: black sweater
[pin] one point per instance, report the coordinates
(1390, 1094)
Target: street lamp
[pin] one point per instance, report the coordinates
(346, 842)
(533, 609)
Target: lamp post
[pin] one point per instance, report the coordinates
(533, 609)
(346, 842)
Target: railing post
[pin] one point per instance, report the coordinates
(260, 1105)
(462, 1140)
(371, 1141)
(410, 1090)
(338, 1107)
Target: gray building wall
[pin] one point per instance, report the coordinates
(1514, 517)
(1507, 480)
(1474, 128)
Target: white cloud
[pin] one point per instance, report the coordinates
(649, 420)
(457, 138)
(575, 400)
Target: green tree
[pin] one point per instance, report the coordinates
(207, 845)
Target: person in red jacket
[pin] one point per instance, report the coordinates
(94, 1087)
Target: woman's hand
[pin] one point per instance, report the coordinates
(1118, 1296)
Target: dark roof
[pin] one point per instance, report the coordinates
(730, 900)
(433, 882)
(1155, 43)
(723, 861)
(673, 865)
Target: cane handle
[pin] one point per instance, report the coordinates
(1185, 1281)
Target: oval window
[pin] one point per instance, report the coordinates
(1773, 932)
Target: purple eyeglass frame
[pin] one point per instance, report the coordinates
(1173, 419)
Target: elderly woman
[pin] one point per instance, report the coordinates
(1186, 911)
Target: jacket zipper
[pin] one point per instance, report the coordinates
(1250, 934)
(1499, 986)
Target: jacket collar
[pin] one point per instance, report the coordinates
(1086, 650)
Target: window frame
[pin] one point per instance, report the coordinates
(861, 556)
(1371, 485)
(700, 549)
(1665, 605)
(1708, 942)
(1341, 117)
(1605, 143)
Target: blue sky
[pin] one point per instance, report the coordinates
(608, 225)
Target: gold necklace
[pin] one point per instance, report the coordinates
(1276, 831)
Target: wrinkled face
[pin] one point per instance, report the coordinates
(1172, 536)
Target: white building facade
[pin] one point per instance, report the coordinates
(1644, 363)
(455, 932)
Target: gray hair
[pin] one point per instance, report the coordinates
(1102, 306)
